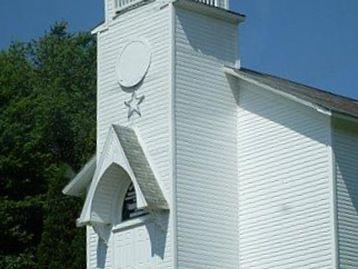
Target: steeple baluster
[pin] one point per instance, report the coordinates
(123, 4)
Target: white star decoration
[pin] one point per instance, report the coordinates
(133, 105)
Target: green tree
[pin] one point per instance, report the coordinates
(47, 127)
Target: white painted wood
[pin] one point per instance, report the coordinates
(138, 247)
(98, 254)
(110, 10)
(205, 132)
(120, 5)
(111, 97)
(133, 62)
(345, 144)
(284, 189)
(79, 184)
(152, 24)
(247, 173)
(123, 4)
(113, 174)
(172, 153)
(215, 3)
(92, 239)
(232, 72)
(333, 196)
(123, 161)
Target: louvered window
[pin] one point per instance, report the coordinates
(130, 210)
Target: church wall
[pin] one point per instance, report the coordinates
(96, 258)
(345, 145)
(92, 241)
(284, 183)
(205, 132)
(152, 23)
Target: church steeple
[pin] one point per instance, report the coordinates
(161, 81)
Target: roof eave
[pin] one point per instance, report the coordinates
(78, 185)
(99, 28)
(344, 116)
(217, 12)
(317, 107)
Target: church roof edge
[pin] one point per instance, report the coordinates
(219, 12)
(333, 102)
(194, 5)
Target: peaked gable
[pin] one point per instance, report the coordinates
(124, 155)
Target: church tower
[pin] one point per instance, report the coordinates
(163, 190)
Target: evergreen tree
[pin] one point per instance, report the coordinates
(47, 128)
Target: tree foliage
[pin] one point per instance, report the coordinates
(47, 127)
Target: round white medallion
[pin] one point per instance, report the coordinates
(133, 63)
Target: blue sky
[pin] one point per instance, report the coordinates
(313, 42)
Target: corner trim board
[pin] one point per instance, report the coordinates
(172, 130)
(333, 196)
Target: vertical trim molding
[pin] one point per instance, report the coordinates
(98, 150)
(333, 195)
(172, 131)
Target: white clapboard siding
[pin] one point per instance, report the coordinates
(92, 241)
(103, 204)
(152, 23)
(96, 259)
(345, 141)
(138, 247)
(284, 194)
(205, 126)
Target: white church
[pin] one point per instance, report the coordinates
(203, 164)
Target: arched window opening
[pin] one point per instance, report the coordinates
(130, 210)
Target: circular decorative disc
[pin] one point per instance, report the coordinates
(133, 63)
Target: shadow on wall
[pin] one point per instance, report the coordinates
(137, 245)
(101, 254)
(346, 157)
(159, 235)
(212, 37)
(280, 112)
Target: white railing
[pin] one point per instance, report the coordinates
(215, 3)
(123, 4)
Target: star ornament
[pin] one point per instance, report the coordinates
(133, 105)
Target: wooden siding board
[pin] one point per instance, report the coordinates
(205, 127)
(153, 24)
(284, 209)
(92, 252)
(154, 125)
(92, 240)
(345, 146)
